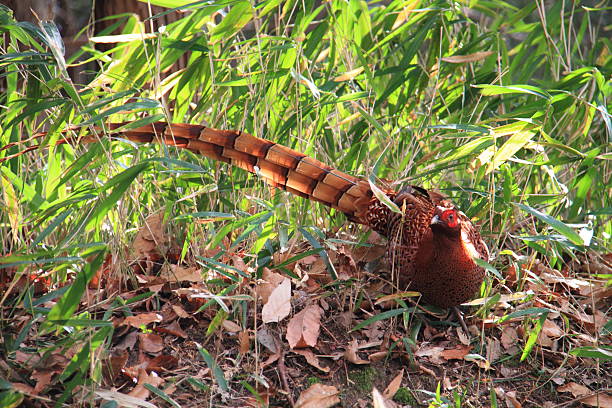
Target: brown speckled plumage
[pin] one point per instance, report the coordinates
(431, 244)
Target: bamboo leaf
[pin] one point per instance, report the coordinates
(515, 143)
(69, 302)
(383, 316)
(557, 225)
(491, 90)
(218, 374)
(119, 183)
(239, 15)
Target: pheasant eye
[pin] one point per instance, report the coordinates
(450, 218)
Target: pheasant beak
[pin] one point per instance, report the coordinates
(435, 220)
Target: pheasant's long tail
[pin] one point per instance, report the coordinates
(278, 165)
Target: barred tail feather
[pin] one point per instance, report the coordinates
(277, 165)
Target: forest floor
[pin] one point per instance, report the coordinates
(307, 341)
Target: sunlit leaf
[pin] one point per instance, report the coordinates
(490, 90)
(559, 226)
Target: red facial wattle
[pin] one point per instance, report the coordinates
(450, 218)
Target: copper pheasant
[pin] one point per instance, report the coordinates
(432, 245)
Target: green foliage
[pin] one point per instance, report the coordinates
(457, 102)
(212, 364)
(602, 353)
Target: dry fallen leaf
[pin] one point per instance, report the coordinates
(597, 293)
(238, 263)
(493, 349)
(378, 356)
(23, 388)
(510, 275)
(303, 328)
(576, 389)
(245, 341)
(351, 353)
(272, 280)
(544, 340)
(345, 319)
(345, 265)
(508, 372)
(162, 362)
(463, 337)
(231, 327)
(174, 329)
(434, 353)
(479, 360)
(509, 337)
(318, 396)
(447, 383)
(394, 385)
(586, 340)
(140, 391)
(142, 319)
(128, 342)
(42, 378)
(318, 271)
(55, 364)
(22, 358)
(267, 339)
(380, 401)
(375, 331)
(554, 276)
(511, 400)
(270, 360)
(176, 273)
(311, 359)
(509, 396)
(112, 366)
(180, 312)
(152, 228)
(602, 400)
(150, 240)
(102, 275)
(551, 329)
(151, 342)
(279, 303)
(456, 353)
(593, 323)
(262, 400)
(369, 254)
